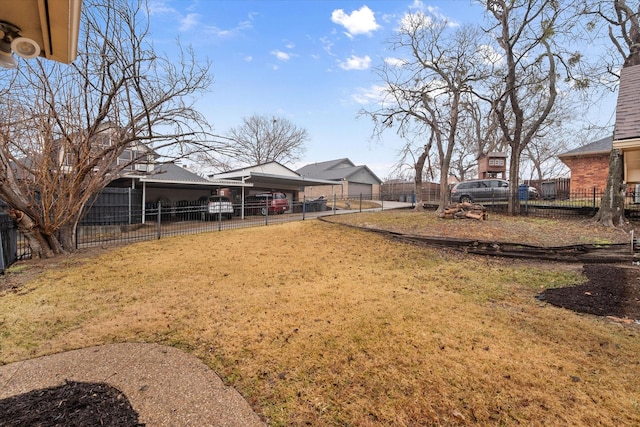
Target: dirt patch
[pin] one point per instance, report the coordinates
(22, 272)
(610, 290)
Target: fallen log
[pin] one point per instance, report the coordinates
(465, 210)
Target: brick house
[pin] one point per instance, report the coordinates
(589, 165)
(355, 181)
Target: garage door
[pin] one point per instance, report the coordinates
(356, 189)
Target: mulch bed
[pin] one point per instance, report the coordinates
(610, 290)
(70, 405)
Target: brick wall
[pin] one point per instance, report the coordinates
(588, 172)
(341, 191)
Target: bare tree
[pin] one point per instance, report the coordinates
(624, 19)
(526, 32)
(261, 139)
(430, 86)
(67, 131)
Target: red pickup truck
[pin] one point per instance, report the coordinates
(255, 204)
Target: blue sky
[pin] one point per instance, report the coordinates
(307, 60)
(310, 61)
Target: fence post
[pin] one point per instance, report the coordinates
(594, 197)
(220, 214)
(129, 204)
(304, 206)
(360, 202)
(334, 203)
(159, 220)
(266, 211)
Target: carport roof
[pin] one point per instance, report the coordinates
(266, 179)
(170, 173)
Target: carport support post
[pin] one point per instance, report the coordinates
(159, 223)
(144, 200)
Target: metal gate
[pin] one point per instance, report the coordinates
(9, 246)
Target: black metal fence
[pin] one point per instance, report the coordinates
(162, 220)
(584, 203)
(121, 223)
(9, 237)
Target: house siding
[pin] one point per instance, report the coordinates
(588, 172)
(340, 191)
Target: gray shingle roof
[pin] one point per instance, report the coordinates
(173, 173)
(334, 170)
(627, 111)
(321, 169)
(601, 146)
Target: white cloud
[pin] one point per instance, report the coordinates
(248, 58)
(189, 21)
(370, 95)
(490, 55)
(361, 21)
(282, 56)
(232, 32)
(395, 62)
(425, 15)
(327, 45)
(159, 7)
(411, 21)
(356, 63)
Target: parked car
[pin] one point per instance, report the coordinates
(480, 190)
(533, 193)
(276, 202)
(219, 207)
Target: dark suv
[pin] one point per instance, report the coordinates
(255, 204)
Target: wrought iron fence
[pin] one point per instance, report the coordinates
(132, 223)
(159, 220)
(9, 237)
(574, 204)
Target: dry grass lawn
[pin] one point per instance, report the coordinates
(318, 324)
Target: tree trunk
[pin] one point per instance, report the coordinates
(65, 236)
(514, 172)
(38, 243)
(419, 168)
(444, 192)
(611, 212)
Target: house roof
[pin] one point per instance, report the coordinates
(271, 174)
(601, 146)
(495, 154)
(627, 117)
(339, 169)
(170, 173)
(269, 167)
